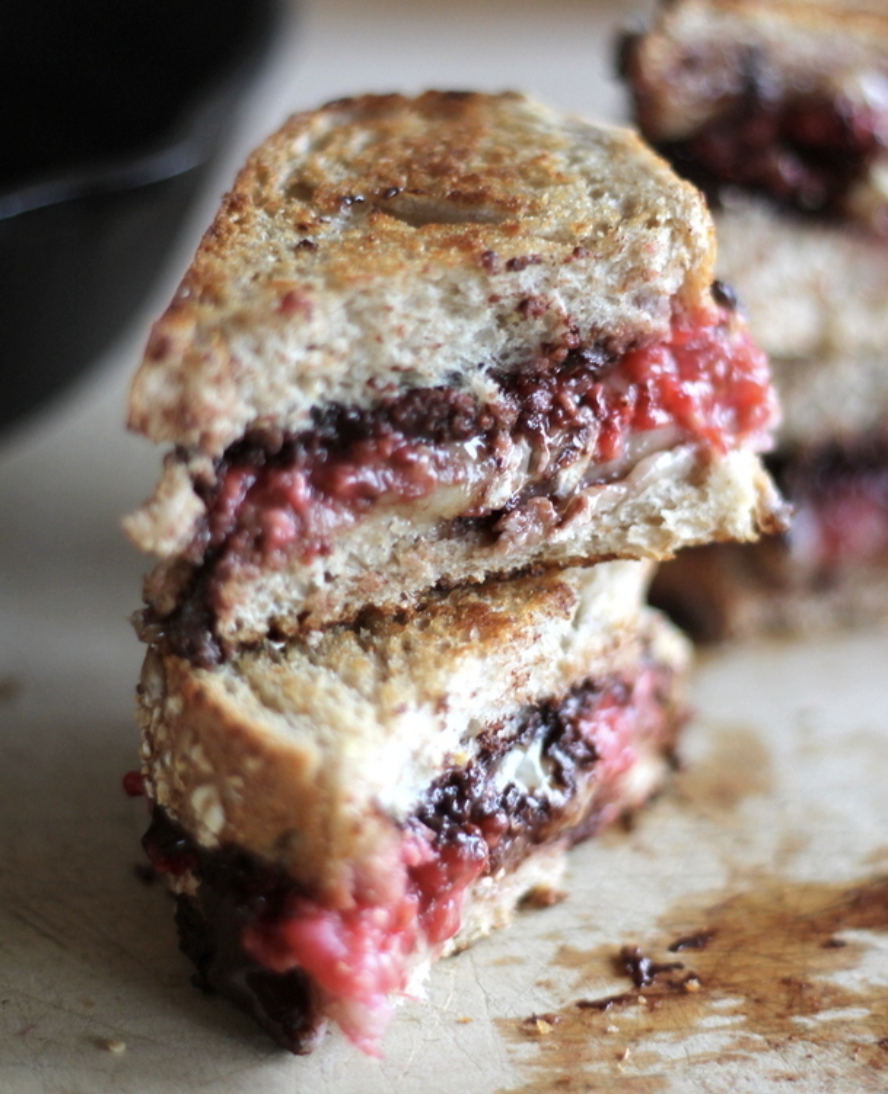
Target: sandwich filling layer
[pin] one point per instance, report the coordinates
(811, 153)
(708, 382)
(786, 100)
(559, 428)
(555, 773)
(840, 492)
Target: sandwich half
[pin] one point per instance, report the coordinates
(779, 111)
(336, 811)
(432, 341)
(444, 379)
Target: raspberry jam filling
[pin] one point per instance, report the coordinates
(707, 383)
(840, 494)
(556, 773)
(806, 152)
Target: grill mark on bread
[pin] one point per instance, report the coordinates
(444, 181)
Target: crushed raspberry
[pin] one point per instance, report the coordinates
(348, 962)
(360, 956)
(710, 380)
(849, 527)
(840, 494)
(134, 784)
(806, 151)
(707, 379)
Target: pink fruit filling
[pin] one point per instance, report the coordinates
(359, 957)
(707, 382)
(851, 527)
(473, 820)
(840, 494)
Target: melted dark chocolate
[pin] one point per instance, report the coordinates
(806, 153)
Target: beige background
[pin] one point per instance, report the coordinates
(788, 754)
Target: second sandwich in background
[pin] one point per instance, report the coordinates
(446, 375)
(779, 111)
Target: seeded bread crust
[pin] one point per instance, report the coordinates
(382, 242)
(310, 755)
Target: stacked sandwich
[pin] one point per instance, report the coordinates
(779, 111)
(444, 377)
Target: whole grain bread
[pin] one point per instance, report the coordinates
(670, 500)
(432, 246)
(312, 754)
(385, 241)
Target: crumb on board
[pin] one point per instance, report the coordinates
(114, 1045)
(542, 1024)
(543, 896)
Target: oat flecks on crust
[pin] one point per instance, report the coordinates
(383, 237)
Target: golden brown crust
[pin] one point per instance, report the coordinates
(384, 240)
(669, 500)
(225, 767)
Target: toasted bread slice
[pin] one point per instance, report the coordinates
(363, 800)
(384, 241)
(429, 341)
